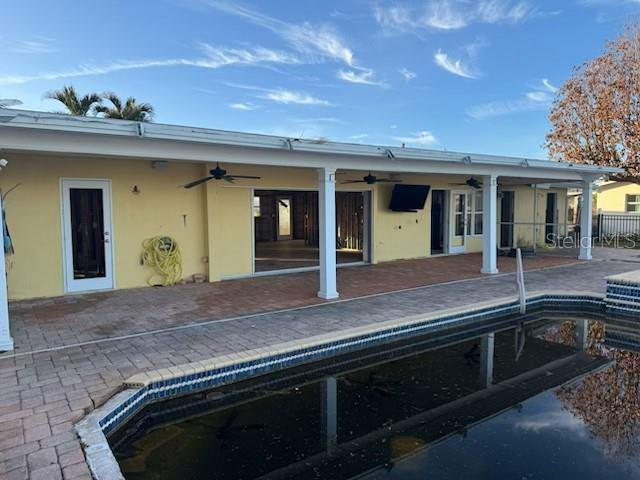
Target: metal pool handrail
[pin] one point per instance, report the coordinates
(522, 296)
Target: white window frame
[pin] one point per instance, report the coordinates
(635, 203)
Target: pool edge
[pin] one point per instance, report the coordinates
(146, 387)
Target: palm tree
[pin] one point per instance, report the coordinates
(76, 105)
(9, 102)
(129, 110)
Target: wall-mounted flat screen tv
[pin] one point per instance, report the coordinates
(408, 198)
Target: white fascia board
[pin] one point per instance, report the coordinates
(102, 146)
(194, 137)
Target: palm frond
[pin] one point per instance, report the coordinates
(129, 110)
(68, 96)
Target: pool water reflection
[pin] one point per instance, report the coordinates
(546, 399)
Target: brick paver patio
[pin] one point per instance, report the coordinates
(49, 383)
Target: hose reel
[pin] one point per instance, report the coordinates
(162, 254)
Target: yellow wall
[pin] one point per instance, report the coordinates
(612, 198)
(33, 216)
(219, 220)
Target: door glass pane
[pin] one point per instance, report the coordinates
(507, 209)
(460, 213)
(87, 232)
(284, 217)
(478, 225)
(478, 213)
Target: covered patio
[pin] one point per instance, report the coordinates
(128, 182)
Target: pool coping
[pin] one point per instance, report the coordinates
(148, 387)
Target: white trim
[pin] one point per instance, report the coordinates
(490, 225)
(87, 135)
(253, 230)
(457, 249)
(327, 225)
(6, 341)
(71, 285)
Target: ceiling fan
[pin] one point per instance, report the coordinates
(470, 182)
(217, 174)
(372, 180)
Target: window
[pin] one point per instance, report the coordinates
(477, 213)
(256, 207)
(632, 203)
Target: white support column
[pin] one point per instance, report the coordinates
(329, 407)
(489, 224)
(6, 342)
(327, 219)
(487, 347)
(586, 221)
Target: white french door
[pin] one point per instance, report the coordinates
(86, 235)
(459, 222)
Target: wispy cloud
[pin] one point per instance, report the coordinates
(395, 18)
(320, 40)
(243, 106)
(548, 86)
(421, 138)
(456, 66)
(607, 3)
(317, 42)
(282, 95)
(503, 11)
(360, 136)
(407, 74)
(213, 57)
(538, 98)
(32, 46)
(362, 76)
(289, 97)
(451, 14)
(445, 15)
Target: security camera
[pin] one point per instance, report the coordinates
(4, 162)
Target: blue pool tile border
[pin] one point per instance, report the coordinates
(189, 383)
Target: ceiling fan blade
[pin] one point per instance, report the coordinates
(229, 178)
(388, 181)
(244, 176)
(353, 181)
(197, 182)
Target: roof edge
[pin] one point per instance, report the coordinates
(15, 118)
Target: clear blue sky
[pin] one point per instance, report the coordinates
(448, 74)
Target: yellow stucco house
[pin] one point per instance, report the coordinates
(82, 194)
(617, 197)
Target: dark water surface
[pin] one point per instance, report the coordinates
(540, 401)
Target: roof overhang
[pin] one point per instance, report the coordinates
(37, 132)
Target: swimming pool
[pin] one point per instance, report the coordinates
(540, 396)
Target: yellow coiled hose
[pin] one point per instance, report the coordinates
(163, 255)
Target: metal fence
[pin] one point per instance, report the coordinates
(607, 225)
